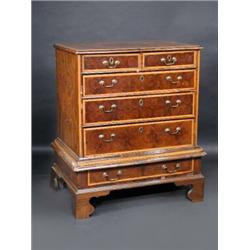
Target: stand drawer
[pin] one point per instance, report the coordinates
(137, 173)
(123, 138)
(138, 108)
(104, 85)
(165, 60)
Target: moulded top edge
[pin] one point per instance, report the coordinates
(93, 48)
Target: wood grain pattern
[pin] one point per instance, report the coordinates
(136, 108)
(68, 96)
(105, 85)
(137, 137)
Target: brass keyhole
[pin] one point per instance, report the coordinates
(142, 78)
(111, 60)
(141, 130)
(141, 102)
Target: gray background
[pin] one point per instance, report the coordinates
(147, 218)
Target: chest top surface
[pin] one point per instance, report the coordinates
(105, 47)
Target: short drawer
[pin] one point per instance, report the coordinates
(138, 82)
(123, 138)
(138, 108)
(140, 172)
(110, 63)
(165, 60)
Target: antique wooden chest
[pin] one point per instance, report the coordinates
(127, 117)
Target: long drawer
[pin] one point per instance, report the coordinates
(123, 138)
(138, 108)
(107, 84)
(141, 172)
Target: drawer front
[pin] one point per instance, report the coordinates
(169, 60)
(143, 82)
(123, 138)
(121, 109)
(155, 170)
(110, 63)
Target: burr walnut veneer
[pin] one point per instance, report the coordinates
(127, 117)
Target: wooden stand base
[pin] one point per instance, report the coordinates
(88, 178)
(82, 208)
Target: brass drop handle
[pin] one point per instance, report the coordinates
(169, 60)
(102, 137)
(170, 79)
(177, 167)
(178, 103)
(112, 108)
(177, 131)
(118, 174)
(113, 82)
(111, 63)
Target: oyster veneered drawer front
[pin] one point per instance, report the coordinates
(138, 108)
(110, 63)
(138, 82)
(123, 138)
(137, 173)
(165, 60)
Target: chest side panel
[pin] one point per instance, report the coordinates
(68, 99)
